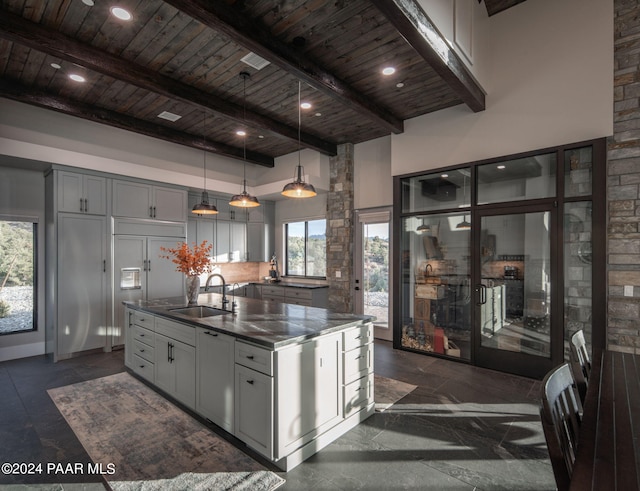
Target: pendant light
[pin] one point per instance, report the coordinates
(423, 228)
(298, 188)
(244, 199)
(204, 207)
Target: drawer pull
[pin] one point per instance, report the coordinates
(141, 351)
(141, 335)
(250, 357)
(211, 333)
(250, 382)
(141, 366)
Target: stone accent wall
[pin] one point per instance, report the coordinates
(623, 198)
(340, 230)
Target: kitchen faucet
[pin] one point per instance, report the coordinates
(225, 301)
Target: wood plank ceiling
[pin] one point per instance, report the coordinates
(184, 57)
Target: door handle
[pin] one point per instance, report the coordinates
(482, 294)
(357, 288)
(86, 205)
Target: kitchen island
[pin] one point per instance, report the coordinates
(284, 379)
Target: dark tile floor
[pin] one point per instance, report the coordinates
(462, 428)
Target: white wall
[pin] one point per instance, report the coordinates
(373, 185)
(550, 84)
(22, 195)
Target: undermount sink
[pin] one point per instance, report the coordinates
(199, 311)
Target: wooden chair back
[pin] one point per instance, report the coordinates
(560, 413)
(580, 362)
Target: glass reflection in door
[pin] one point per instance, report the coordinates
(435, 284)
(515, 292)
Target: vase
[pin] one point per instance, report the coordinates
(192, 287)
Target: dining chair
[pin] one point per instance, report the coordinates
(580, 362)
(560, 413)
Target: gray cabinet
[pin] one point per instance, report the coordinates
(133, 199)
(80, 284)
(81, 193)
(261, 232)
(230, 241)
(310, 297)
(215, 377)
(175, 360)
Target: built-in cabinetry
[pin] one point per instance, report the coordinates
(90, 269)
(141, 200)
(78, 263)
(175, 360)
(286, 403)
(81, 193)
(237, 235)
(310, 297)
(215, 379)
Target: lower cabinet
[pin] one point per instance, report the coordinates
(175, 362)
(215, 365)
(286, 403)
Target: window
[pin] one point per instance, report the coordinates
(17, 275)
(306, 244)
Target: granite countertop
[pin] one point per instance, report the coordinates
(270, 324)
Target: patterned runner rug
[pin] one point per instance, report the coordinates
(141, 440)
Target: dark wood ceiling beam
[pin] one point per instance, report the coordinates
(21, 93)
(223, 18)
(414, 25)
(21, 31)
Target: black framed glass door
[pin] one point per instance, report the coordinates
(514, 289)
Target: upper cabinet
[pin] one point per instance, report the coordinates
(139, 200)
(81, 193)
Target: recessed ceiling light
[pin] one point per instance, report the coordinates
(260, 136)
(305, 105)
(444, 175)
(400, 85)
(501, 167)
(89, 3)
(56, 66)
(241, 133)
(388, 70)
(77, 78)
(318, 114)
(120, 13)
(169, 116)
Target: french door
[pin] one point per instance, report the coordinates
(515, 321)
(372, 273)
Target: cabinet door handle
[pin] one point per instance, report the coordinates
(151, 212)
(250, 382)
(104, 265)
(81, 202)
(154, 212)
(148, 264)
(86, 205)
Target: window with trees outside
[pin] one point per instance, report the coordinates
(17, 276)
(306, 248)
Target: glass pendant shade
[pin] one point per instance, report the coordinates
(204, 207)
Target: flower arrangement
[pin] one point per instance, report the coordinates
(192, 262)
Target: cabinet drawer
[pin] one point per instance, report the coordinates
(142, 335)
(357, 363)
(354, 338)
(177, 331)
(254, 357)
(142, 319)
(358, 394)
(271, 298)
(143, 367)
(143, 350)
(299, 301)
(273, 291)
(298, 293)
